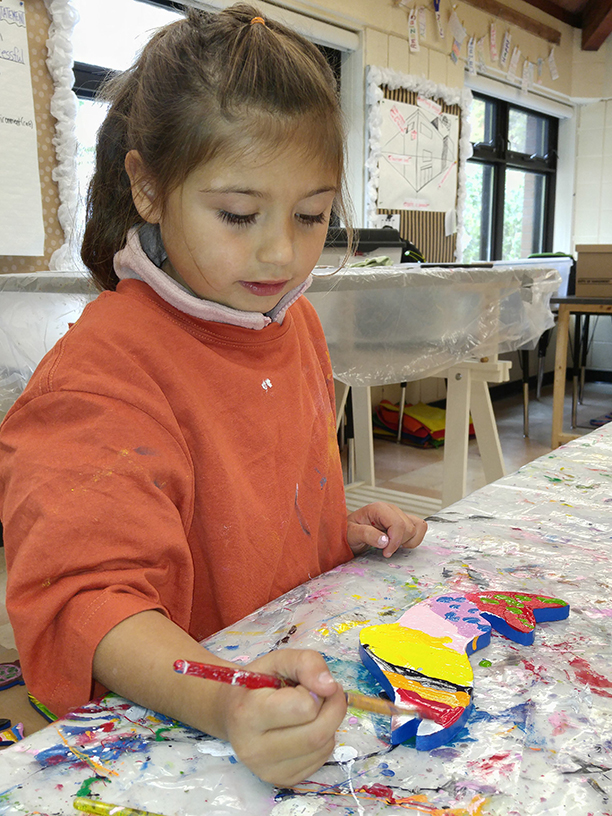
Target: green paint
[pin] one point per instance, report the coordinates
(485, 663)
(159, 734)
(85, 789)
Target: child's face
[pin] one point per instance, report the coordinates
(244, 233)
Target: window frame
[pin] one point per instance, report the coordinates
(497, 155)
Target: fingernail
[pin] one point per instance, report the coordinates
(326, 679)
(383, 540)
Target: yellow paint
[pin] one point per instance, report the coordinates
(455, 699)
(323, 630)
(349, 624)
(419, 651)
(358, 597)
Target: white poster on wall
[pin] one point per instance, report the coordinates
(419, 147)
(22, 229)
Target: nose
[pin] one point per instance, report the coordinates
(277, 245)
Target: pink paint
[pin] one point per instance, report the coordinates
(559, 723)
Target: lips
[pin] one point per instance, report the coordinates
(264, 288)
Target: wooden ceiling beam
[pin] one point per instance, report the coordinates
(596, 24)
(521, 20)
(555, 10)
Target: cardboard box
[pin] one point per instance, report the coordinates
(594, 270)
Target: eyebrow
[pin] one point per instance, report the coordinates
(258, 193)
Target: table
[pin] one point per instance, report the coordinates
(567, 306)
(539, 740)
(401, 323)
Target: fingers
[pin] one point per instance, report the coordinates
(384, 527)
(285, 734)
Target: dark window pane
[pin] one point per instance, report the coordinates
(523, 214)
(527, 133)
(477, 224)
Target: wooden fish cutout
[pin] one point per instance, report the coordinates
(423, 657)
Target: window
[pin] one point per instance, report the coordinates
(102, 48)
(510, 182)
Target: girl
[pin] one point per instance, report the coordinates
(173, 463)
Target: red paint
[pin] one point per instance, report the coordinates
(596, 682)
(440, 713)
(234, 677)
(381, 791)
(514, 607)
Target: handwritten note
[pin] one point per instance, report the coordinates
(21, 218)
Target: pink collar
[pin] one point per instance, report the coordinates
(133, 262)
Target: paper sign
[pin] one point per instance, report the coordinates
(417, 167)
(454, 54)
(480, 51)
(539, 70)
(493, 38)
(526, 80)
(505, 50)
(422, 22)
(471, 58)
(439, 19)
(457, 30)
(22, 230)
(516, 55)
(552, 64)
(413, 35)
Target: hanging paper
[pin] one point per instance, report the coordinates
(22, 230)
(493, 38)
(413, 35)
(552, 64)
(505, 50)
(454, 54)
(439, 19)
(539, 70)
(516, 55)
(418, 160)
(457, 30)
(480, 52)
(422, 22)
(471, 57)
(525, 76)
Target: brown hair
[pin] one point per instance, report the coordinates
(197, 89)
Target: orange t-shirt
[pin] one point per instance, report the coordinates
(160, 461)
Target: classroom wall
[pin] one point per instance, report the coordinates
(37, 22)
(386, 37)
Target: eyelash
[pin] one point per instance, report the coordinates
(246, 220)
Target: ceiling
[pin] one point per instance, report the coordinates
(594, 17)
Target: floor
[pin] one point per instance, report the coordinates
(398, 467)
(413, 470)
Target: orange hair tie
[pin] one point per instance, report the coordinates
(258, 20)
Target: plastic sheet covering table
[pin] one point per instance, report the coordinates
(392, 324)
(35, 311)
(538, 741)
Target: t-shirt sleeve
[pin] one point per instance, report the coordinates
(97, 500)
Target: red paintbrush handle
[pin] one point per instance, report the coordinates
(234, 677)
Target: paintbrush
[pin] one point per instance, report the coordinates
(256, 680)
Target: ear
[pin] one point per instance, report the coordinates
(143, 188)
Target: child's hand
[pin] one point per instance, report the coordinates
(285, 735)
(384, 527)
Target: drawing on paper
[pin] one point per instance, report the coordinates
(418, 159)
(423, 658)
